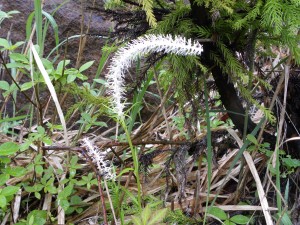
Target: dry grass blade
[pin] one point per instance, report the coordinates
(17, 203)
(260, 190)
(51, 89)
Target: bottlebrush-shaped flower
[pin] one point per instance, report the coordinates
(104, 166)
(137, 48)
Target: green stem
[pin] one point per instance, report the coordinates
(135, 161)
(209, 150)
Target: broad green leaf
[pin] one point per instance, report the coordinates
(64, 204)
(252, 139)
(60, 66)
(240, 219)
(39, 169)
(8, 148)
(67, 191)
(2, 201)
(5, 159)
(217, 212)
(3, 178)
(291, 162)
(100, 81)
(19, 57)
(17, 65)
(81, 183)
(9, 190)
(4, 43)
(37, 195)
(16, 45)
(51, 189)
(86, 66)
(81, 76)
(71, 78)
(4, 85)
(228, 222)
(16, 171)
(27, 85)
(38, 217)
(100, 124)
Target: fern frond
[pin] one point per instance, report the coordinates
(272, 15)
(148, 8)
(232, 63)
(172, 20)
(250, 16)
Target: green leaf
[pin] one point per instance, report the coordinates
(100, 81)
(291, 162)
(4, 159)
(228, 222)
(60, 66)
(217, 212)
(81, 183)
(2, 201)
(100, 124)
(27, 85)
(252, 139)
(19, 57)
(240, 219)
(71, 78)
(64, 204)
(39, 169)
(9, 190)
(4, 85)
(67, 191)
(86, 66)
(3, 178)
(17, 65)
(16, 171)
(16, 45)
(8, 148)
(285, 219)
(4, 43)
(51, 189)
(37, 217)
(37, 195)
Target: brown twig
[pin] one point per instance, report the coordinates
(115, 143)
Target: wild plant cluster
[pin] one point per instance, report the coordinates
(190, 122)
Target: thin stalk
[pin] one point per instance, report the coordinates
(279, 134)
(135, 162)
(209, 150)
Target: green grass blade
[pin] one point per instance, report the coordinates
(209, 149)
(54, 25)
(29, 25)
(39, 24)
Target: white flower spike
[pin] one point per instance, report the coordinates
(104, 166)
(137, 48)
